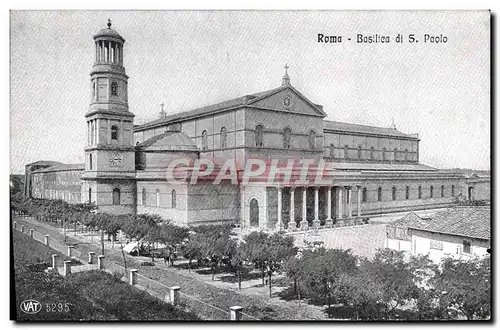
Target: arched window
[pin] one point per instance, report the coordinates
(332, 151)
(114, 132)
(442, 191)
(379, 194)
(223, 137)
(90, 195)
(93, 89)
(432, 191)
(204, 140)
(384, 156)
(114, 89)
(359, 152)
(346, 151)
(259, 136)
(395, 153)
(287, 137)
(407, 192)
(419, 192)
(363, 195)
(174, 199)
(452, 191)
(406, 154)
(393, 193)
(116, 196)
(144, 196)
(312, 139)
(90, 162)
(157, 198)
(372, 153)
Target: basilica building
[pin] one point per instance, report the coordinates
(370, 170)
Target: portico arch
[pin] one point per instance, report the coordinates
(254, 212)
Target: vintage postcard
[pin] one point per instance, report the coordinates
(250, 165)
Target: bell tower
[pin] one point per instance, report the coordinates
(109, 176)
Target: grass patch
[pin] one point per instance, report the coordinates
(87, 296)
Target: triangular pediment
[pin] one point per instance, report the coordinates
(287, 99)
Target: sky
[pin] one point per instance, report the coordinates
(189, 59)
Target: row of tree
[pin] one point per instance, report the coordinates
(388, 286)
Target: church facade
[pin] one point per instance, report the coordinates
(366, 170)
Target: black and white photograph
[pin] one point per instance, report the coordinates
(250, 165)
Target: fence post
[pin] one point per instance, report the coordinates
(100, 262)
(132, 276)
(54, 261)
(174, 295)
(22, 229)
(15, 224)
(32, 232)
(47, 240)
(67, 267)
(91, 257)
(70, 249)
(236, 313)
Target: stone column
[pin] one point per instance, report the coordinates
(133, 276)
(341, 202)
(54, 260)
(70, 248)
(279, 225)
(328, 221)
(32, 231)
(15, 224)
(47, 237)
(100, 262)
(303, 224)
(359, 201)
(67, 268)
(316, 222)
(174, 295)
(236, 313)
(243, 208)
(349, 206)
(97, 121)
(22, 229)
(292, 210)
(91, 257)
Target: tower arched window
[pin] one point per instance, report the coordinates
(114, 89)
(442, 191)
(406, 154)
(372, 153)
(419, 192)
(259, 136)
(90, 162)
(157, 198)
(379, 194)
(287, 137)
(332, 151)
(114, 132)
(359, 152)
(395, 153)
(144, 196)
(174, 199)
(90, 195)
(431, 191)
(393, 193)
(312, 139)
(453, 191)
(384, 156)
(346, 151)
(223, 137)
(93, 89)
(407, 192)
(363, 195)
(116, 196)
(204, 140)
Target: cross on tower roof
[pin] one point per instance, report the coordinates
(162, 105)
(286, 68)
(109, 23)
(286, 78)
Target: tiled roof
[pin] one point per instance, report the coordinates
(365, 129)
(468, 221)
(208, 109)
(44, 162)
(380, 167)
(62, 167)
(409, 220)
(168, 141)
